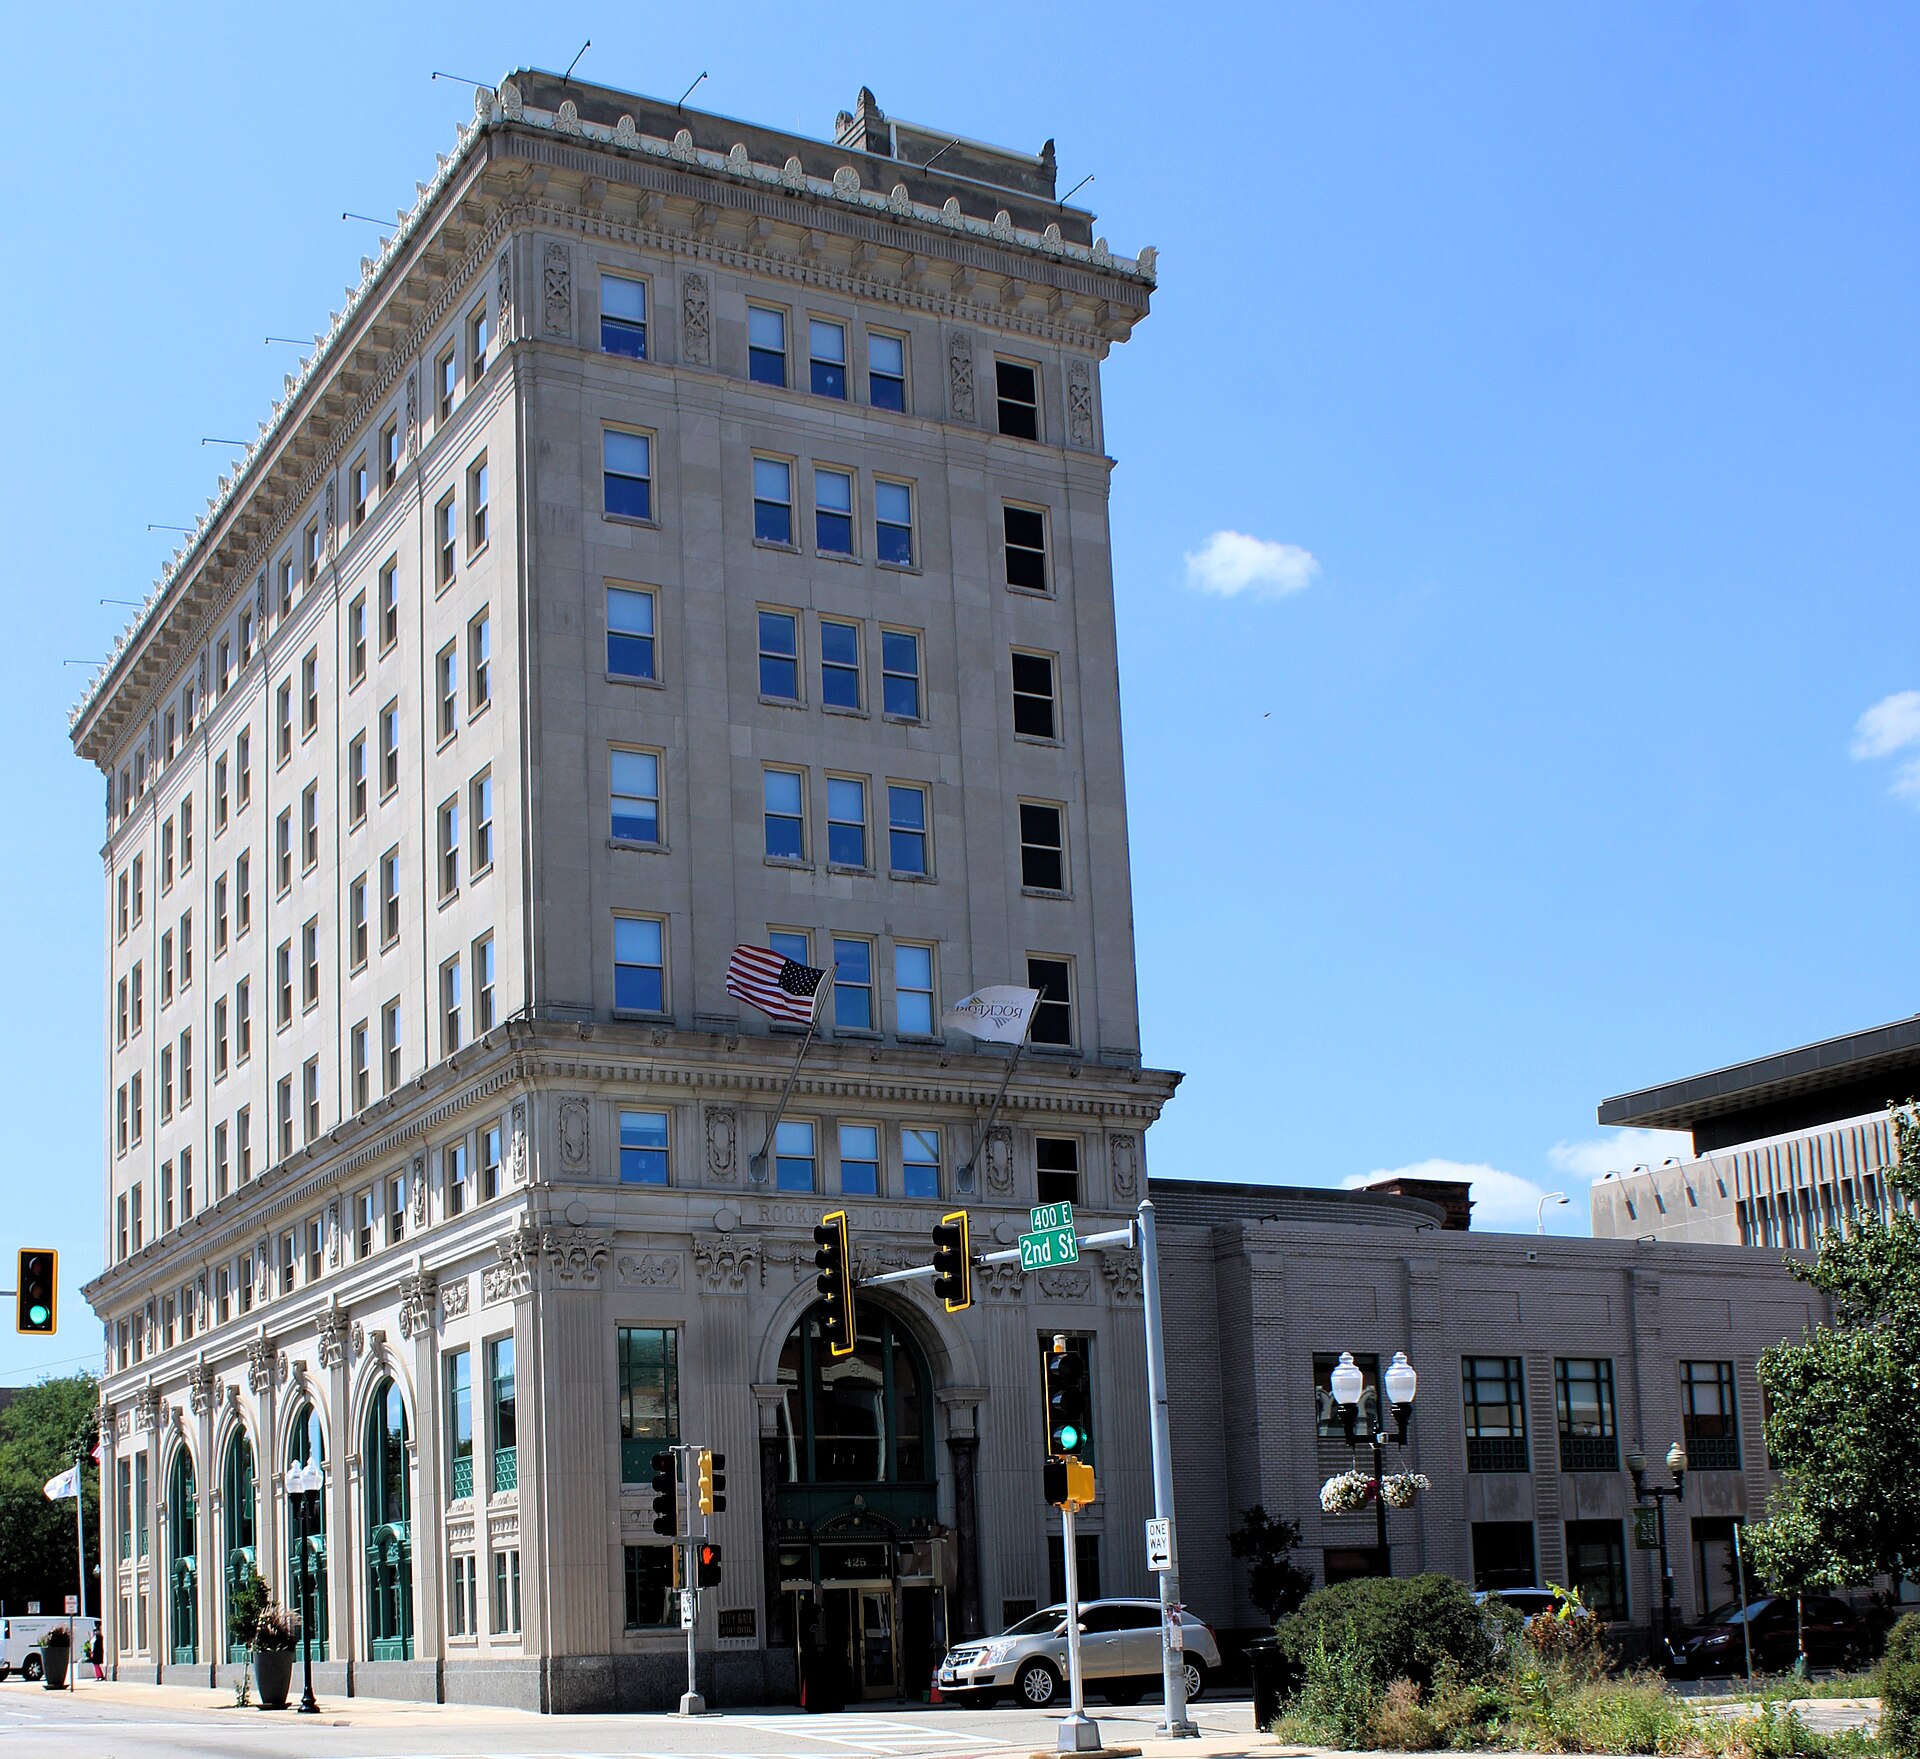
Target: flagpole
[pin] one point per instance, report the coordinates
(757, 1166)
(80, 1547)
(964, 1177)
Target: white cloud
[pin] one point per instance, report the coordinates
(1892, 724)
(1619, 1152)
(1230, 563)
(1502, 1202)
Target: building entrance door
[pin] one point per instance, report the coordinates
(877, 1671)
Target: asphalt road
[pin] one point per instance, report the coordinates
(144, 1723)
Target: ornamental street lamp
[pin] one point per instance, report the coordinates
(1349, 1392)
(1657, 1494)
(304, 1484)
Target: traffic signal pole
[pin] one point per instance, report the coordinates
(1173, 1662)
(1079, 1733)
(691, 1703)
(914, 1272)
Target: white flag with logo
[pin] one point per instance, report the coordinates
(66, 1485)
(998, 1013)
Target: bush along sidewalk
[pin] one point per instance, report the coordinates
(1415, 1665)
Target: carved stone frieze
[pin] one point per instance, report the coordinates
(517, 1152)
(418, 1193)
(454, 1298)
(871, 1258)
(1071, 1283)
(960, 375)
(1000, 1282)
(725, 1263)
(723, 1130)
(200, 1389)
(413, 440)
(1079, 404)
(359, 1338)
(1122, 1273)
(1123, 1162)
(651, 1270)
(557, 289)
(417, 1290)
(504, 295)
(332, 1338)
(149, 1409)
(513, 1275)
(574, 1116)
(999, 1159)
(696, 320)
(260, 1364)
(576, 1254)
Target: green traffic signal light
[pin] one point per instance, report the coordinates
(38, 1270)
(1068, 1438)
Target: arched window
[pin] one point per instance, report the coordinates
(183, 1566)
(860, 1419)
(307, 1446)
(389, 1530)
(236, 1518)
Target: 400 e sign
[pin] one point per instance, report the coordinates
(1052, 1240)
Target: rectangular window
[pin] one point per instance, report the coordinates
(893, 523)
(242, 892)
(390, 1043)
(186, 949)
(1043, 846)
(832, 511)
(1709, 1416)
(643, 1148)
(219, 793)
(450, 1007)
(623, 317)
(459, 1381)
(827, 358)
(243, 1020)
(480, 814)
(366, 1224)
(359, 491)
(1026, 542)
(859, 1160)
(479, 334)
(186, 1068)
(1597, 1566)
(483, 1013)
(166, 1083)
(219, 915)
(284, 1113)
(243, 766)
(913, 990)
(490, 1164)
(389, 748)
(1493, 1394)
(283, 721)
(1583, 1394)
(166, 856)
(1035, 714)
(310, 962)
(846, 822)
(360, 1070)
(446, 674)
(389, 897)
(886, 370)
(453, 1175)
(503, 1424)
(634, 782)
(309, 827)
(310, 1097)
(1056, 1169)
(506, 1586)
(780, 656)
(357, 779)
(477, 528)
(220, 1039)
(283, 984)
(283, 853)
(639, 965)
(243, 1143)
(186, 834)
(446, 524)
(649, 1368)
(396, 1209)
(839, 664)
(223, 666)
(852, 984)
(309, 694)
(1503, 1556)
(289, 1257)
(793, 1155)
(766, 345)
(449, 847)
(390, 453)
(627, 474)
(907, 830)
(1053, 1014)
(389, 604)
(310, 549)
(785, 817)
(479, 663)
(166, 968)
(356, 639)
(1017, 391)
(900, 674)
(139, 1003)
(630, 651)
(920, 1163)
(314, 1236)
(446, 380)
(652, 1602)
(772, 501)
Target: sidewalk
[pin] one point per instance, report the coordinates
(335, 1712)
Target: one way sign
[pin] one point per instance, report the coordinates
(1159, 1546)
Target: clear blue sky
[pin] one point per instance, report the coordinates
(1561, 359)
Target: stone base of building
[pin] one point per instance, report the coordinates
(583, 1684)
(511, 1684)
(416, 1682)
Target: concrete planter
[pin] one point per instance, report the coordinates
(54, 1660)
(272, 1675)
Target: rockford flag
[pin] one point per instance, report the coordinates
(775, 985)
(64, 1486)
(999, 1012)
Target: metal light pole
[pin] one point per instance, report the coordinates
(305, 1481)
(1174, 1720)
(1658, 1494)
(1399, 1384)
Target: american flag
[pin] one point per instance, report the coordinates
(775, 985)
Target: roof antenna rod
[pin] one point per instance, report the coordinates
(462, 78)
(1082, 184)
(684, 96)
(370, 220)
(946, 149)
(575, 62)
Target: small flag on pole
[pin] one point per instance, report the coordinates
(999, 1013)
(65, 1485)
(776, 985)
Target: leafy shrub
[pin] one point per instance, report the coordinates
(277, 1630)
(247, 1602)
(1577, 1644)
(1336, 1702)
(1385, 1628)
(1900, 1688)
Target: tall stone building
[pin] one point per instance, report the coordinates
(685, 534)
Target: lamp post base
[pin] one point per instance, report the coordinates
(692, 1704)
(1078, 1734)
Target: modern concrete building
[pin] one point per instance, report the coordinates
(685, 534)
(1786, 1148)
(1542, 1362)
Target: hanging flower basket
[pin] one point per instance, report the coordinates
(1398, 1489)
(1346, 1493)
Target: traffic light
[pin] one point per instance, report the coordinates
(835, 1282)
(1069, 1411)
(953, 1262)
(1068, 1481)
(707, 1565)
(713, 1482)
(36, 1284)
(666, 1499)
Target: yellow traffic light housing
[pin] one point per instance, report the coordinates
(835, 1282)
(38, 1287)
(953, 1262)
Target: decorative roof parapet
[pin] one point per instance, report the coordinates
(494, 109)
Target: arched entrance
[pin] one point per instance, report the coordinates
(236, 1521)
(856, 1499)
(389, 1529)
(183, 1568)
(307, 1446)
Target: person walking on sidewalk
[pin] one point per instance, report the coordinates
(93, 1655)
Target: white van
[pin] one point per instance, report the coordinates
(19, 1635)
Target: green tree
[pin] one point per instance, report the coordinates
(39, 1435)
(1841, 1403)
(1275, 1583)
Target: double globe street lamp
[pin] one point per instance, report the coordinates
(1657, 1494)
(304, 1484)
(1349, 1387)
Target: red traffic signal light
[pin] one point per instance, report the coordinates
(38, 1284)
(707, 1565)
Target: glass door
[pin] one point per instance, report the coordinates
(877, 1661)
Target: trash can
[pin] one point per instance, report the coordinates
(1268, 1667)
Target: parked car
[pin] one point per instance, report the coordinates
(1119, 1656)
(1527, 1602)
(19, 1635)
(1836, 1636)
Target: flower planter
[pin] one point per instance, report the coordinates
(1346, 1493)
(53, 1666)
(272, 1675)
(1398, 1489)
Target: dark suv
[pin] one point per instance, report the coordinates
(1835, 1636)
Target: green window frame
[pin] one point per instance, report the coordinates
(1710, 1416)
(1583, 1398)
(388, 1527)
(237, 1522)
(649, 1370)
(503, 1427)
(1494, 1402)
